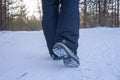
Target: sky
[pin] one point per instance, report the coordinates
(31, 6)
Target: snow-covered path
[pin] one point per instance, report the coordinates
(24, 56)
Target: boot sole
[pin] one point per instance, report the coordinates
(68, 51)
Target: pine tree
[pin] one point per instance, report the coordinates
(22, 15)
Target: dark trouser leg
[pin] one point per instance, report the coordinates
(68, 24)
(50, 20)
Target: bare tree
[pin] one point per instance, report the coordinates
(3, 14)
(85, 12)
(117, 13)
(1, 25)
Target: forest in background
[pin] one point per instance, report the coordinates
(99, 13)
(13, 14)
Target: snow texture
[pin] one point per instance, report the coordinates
(24, 56)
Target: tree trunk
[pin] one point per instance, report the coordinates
(1, 26)
(99, 12)
(39, 10)
(117, 13)
(115, 16)
(112, 20)
(4, 15)
(85, 13)
(96, 21)
(104, 13)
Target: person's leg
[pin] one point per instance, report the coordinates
(49, 22)
(68, 24)
(68, 33)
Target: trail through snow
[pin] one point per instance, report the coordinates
(24, 56)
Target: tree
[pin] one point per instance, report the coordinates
(18, 15)
(22, 15)
(39, 9)
(1, 26)
(85, 12)
(117, 13)
(3, 14)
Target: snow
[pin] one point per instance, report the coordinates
(24, 56)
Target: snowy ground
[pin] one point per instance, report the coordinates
(24, 56)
